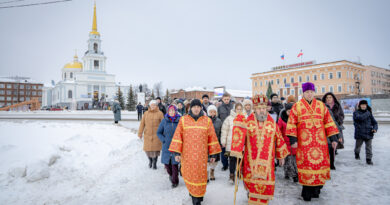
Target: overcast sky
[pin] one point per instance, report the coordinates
(192, 43)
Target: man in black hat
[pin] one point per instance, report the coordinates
(206, 102)
(161, 106)
(365, 127)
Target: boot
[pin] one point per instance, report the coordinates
(212, 177)
(357, 156)
(295, 179)
(231, 178)
(150, 162)
(196, 200)
(306, 193)
(155, 163)
(369, 162)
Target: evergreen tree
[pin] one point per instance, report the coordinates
(119, 94)
(269, 90)
(166, 98)
(152, 96)
(131, 103)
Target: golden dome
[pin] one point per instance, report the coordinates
(75, 64)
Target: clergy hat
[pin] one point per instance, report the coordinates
(260, 101)
(308, 86)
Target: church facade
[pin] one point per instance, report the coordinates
(84, 85)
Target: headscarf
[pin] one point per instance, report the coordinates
(172, 118)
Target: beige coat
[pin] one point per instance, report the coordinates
(148, 127)
(227, 131)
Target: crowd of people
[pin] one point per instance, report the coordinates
(251, 138)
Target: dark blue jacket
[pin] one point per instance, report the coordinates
(140, 108)
(364, 123)
(165, 133)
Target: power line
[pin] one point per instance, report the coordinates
(6, 2)
(34, 4)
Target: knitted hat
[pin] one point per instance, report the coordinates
(195, 102)
(308, 86)
(291, 99)
(211, 107)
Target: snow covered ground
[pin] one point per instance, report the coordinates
(96, 162)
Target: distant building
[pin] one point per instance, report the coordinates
(14, 90)
(377, 80)
(191, 93)
(85, 85)
(237, 95)
(340, 77)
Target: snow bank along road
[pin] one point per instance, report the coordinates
(85, 162)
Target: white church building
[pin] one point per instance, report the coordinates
(84, 85)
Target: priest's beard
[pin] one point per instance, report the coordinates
(261, 117)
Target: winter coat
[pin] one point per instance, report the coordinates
(217, 127)
(337, 110)
(116, 109)
(227, 131)
(364, 123)
(181, 111)
(140, 108)
(148, 127)
(224, 111)
(165, 133)
(162, 108)
(204, 107)
(277, 107)
(338, 136)
(282, 123)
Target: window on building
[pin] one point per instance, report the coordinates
(261, 83)
(9, 98)
(9, 92)
(339, 88)
(330, 75)
(300, 79)
(39, 93)
(284, 92)
(277, 81)
(27, 98)
(323, 90)
(2, 98)
(2, 85)
(255, 84)
(284, 80)
(351, 73)
(2, 92)
(292, 92)
(316, 90)
(69, 94)
(300, 91)
(71, 74)
(95, 47)
(338, 74)
(21, 86)
(331, 88)
(21, 99)
(96, 64)
(347, 74)
(28, 87)
(15, 86)
(64, 75)
(266, 82)
(307, 78)
(34, 87)
(9, 86)
(272, 82)
(314, 77)
(21, 92)
(322, 76)
(278, 92)
(292, 79)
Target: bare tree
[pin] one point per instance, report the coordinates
(157, 87)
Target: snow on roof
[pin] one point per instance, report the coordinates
(17, 79)
(195, 88)
(239, 93)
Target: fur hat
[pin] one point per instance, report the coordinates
(211, 107)
(195, 102)
(247, 102)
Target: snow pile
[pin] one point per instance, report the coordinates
(74, 162)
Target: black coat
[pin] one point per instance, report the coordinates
(224, 111)
(162, 108)
(337, 110)
(364, 123)
(277, 107)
